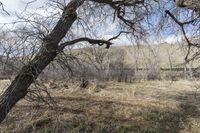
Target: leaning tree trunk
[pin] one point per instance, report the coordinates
(18, 88)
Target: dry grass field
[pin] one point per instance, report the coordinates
(140, 107)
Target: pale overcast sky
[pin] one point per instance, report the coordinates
(18, 6)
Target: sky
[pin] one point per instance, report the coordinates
(18, 6)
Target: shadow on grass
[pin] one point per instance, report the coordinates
(101, 116)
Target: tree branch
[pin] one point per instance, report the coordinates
(2, 8)
(99, 42)
(85, 39)
(182, 24)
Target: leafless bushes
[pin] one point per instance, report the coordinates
(76, 21)
(118, 64)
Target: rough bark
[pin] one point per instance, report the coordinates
(191, 4)
(18, 88)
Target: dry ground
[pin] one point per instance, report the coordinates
(3, 84)
(140, 107)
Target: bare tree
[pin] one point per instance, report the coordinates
(190, 38)
(129, 14)
(117, 66)
(99, 59)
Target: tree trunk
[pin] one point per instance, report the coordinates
(18, 88)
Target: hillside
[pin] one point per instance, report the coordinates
(161, 54)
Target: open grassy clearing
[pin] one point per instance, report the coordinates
(140, 107)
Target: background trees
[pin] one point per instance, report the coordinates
(128, 14)
(40, 38)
